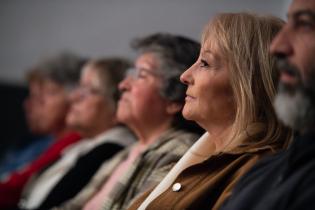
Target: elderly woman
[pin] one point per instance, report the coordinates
(230, 91)
(151, 103)
(93, 115)
(59, 74)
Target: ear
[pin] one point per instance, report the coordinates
(173, 107)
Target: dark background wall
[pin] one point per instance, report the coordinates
(14, 132)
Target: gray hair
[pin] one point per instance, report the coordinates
(175, 54)
(111, 72)
(63, 68)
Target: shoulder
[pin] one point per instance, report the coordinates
(171, 149)
(179, 141)
(261, 166)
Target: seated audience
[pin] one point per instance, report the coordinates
(230, 91)
(60, 74)
(93, 115)
(286, 180)
(151, 103)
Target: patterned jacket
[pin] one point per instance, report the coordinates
(147, 170)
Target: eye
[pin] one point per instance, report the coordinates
(203, 63)
(142, 74)
(304, 22)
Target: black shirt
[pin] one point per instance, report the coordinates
(282, 181)
(79, 175)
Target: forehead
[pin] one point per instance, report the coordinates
(49, 82)
(210, 47)
(210, 43)
(90, 75)
(147, 61)
(301, 5)
(88, 70)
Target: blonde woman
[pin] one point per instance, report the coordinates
(230, 91)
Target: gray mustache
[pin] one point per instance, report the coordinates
(284, 66)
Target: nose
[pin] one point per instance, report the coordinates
(125, 84)
(187, 77)
(281, 44)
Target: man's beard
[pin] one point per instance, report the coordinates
(295, 104)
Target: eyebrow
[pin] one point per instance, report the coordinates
(154, 73)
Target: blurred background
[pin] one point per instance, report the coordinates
(33, 29)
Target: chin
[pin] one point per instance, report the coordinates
(188, 115)
(296, 111)
(121, 117)
(70, 120)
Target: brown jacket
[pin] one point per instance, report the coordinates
(208, 184)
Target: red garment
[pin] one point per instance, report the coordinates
(11, 188)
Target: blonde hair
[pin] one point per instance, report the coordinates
(243, 40)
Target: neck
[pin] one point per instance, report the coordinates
(220, 136)
(149, 134)
(60, 133)
(96, 130)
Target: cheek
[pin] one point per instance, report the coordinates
(221, 105)
(84, 107)
(304, 56)
(307, 66)
(99, 112)
(193, 110)
(211, 100)
(97, 109)
(57, 108)
(146, 98)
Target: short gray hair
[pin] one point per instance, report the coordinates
(176, 54)
(111, 71)
(64, 68)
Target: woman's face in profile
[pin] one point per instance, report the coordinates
(55, 105)
(91, 109)
(209, 96)
(141, 102)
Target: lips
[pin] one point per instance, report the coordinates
(289, 78)
(189, 97)
(289, 73)
(123, 99)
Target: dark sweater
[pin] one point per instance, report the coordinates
(283, 181)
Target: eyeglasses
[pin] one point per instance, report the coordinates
(135, 73)
(85, 91)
